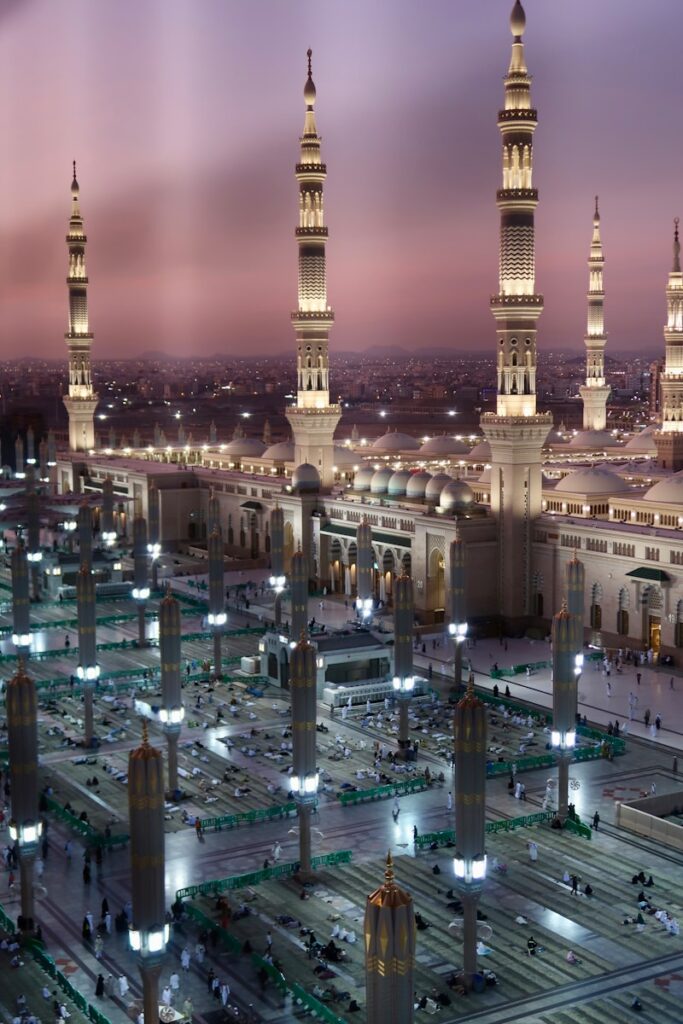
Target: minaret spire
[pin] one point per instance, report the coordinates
(670, 440)
(595, 392)
(313, 419)
(81, 400)
(515, 431)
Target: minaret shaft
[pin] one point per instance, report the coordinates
(672, 377)
(595, 391)
(81, 400)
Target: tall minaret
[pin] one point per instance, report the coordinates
(313, 419)
(81, 400)
(515, 431)
(670, 441)
(595, 392)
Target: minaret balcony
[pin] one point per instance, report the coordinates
(315, 316)
(79, 336)
(516, 301)
(311, 233)
(517, 114)
(517, 196)
(80, 239)
(311, 168)
(77, 280)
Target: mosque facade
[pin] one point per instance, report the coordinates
(522, 502)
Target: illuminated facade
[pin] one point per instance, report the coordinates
(515, 431)
(314, 418)
(595, 392)
(670, 440)
(81, 400)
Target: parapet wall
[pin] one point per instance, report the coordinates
(646, 817)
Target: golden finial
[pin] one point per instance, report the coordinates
(677, 247)
(309, 54)
(597, 211)
(470, 684)
(389, 871)
(74, 166)
(145, 733)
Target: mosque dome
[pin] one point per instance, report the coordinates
(380, 480)
(305, 479)
(283, 451)
(249, 447)
(443, 445)
(436, 485)
(344, 458)
(362, 479)
(418, 484)
(668, 491)
(456, 495)
(593, 480)
(644, 442)
(593, 439)
(396, 442)
(398, 482)
(481, 452)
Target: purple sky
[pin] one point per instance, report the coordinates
(184, 116)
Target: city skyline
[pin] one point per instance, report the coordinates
(185, 124)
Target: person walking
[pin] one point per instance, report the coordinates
(109, 986)
(671, 683)
(166, 996)
(123, 986)
(596, 821)
(397, 809)
(174, 982)
(99, 946)
(575, 885)
(225, 993)
(533, 851)
(638, 677)
(185, 959)
(99, 986)
(658, 722)
(449, 801)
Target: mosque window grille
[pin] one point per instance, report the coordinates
(595, 544)
(568, 540)
(652, 554)
(625, 550)
(676, 557)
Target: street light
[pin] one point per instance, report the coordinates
(140, 593)
(278, 583)
(304, 785)
(90, 673)
(216, 618)
(403, 685)
(364, 607)
(150, 941)
(172, 716)
(25, 834)
(470, 869)
(153, 550)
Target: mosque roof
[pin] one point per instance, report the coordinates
(344, 457)
(394, 441)
(643, 442)
(283, 451)
(668, 491)
(456, 494)
(481, 452)
(417, 484)
(443, 444)
(245, 446)
(593, 439)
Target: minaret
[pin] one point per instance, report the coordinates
(595, 392)
(670, 440)
(81, 401)
(566, 670)
(389, 933)
(516, 432)
(313, 420)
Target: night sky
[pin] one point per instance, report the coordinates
(184, 117)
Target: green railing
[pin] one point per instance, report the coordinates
(248, 817)
(501, 825)
(6, 922)
(83, 828)
(256, 877)
(316, 1008)
(535, 666)
(578, 827)
(48, 965)
(229, 941)
(271, 970)
(399, 788)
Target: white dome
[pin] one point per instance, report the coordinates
(481, 452)
(668, 491)
(398, 482)
(443, 445)
(249, 447)
(395, 442)
(644, 442)
(417, 484)
(361, 481)
(591, 481)
(305, 478)
(380, 480)
(281, 452)
(593, 439)
(456, 494)
(344, 458)
(436, 485)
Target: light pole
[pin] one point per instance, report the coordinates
(107, 531)
(458, 632)
(304, 778)
(88, 670)
(172, 711)
(567, 666)
(153, 545)
(277, 560)
(216, 617)
(141, 589)
(404, 680)
(24, 826)
(21, 605)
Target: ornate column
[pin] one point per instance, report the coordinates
(107, 530)
(457, 627)
(24, 827)
(299, 591)
(364, 600)
(217, 616)
(567, 666)
(85, 533)
(88, 670)
(148, 932)
(34, 553)
(404, 680)
(153, 544)
(304, 778)
(469, 726)
(389, 953)
(277, 579)
(141, 588)
(172, 711)
(595, 392)
(575, 577)
(669, 440)
(21, 603)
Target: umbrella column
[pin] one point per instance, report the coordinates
(457, 627)
(576, 581)
(404, 680)
(304, 778)
(140, 578)
(107, 530)
(34, 553)
(84, 526)
(277, 560)
(364, 601)
(299, 590)
(21, 603)
(469, 864)
(24, 827)
(153, 542)
(389, 953)
(567, 666)
(148, 932)
(217, 616)
(172, 711)
(88, 670)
